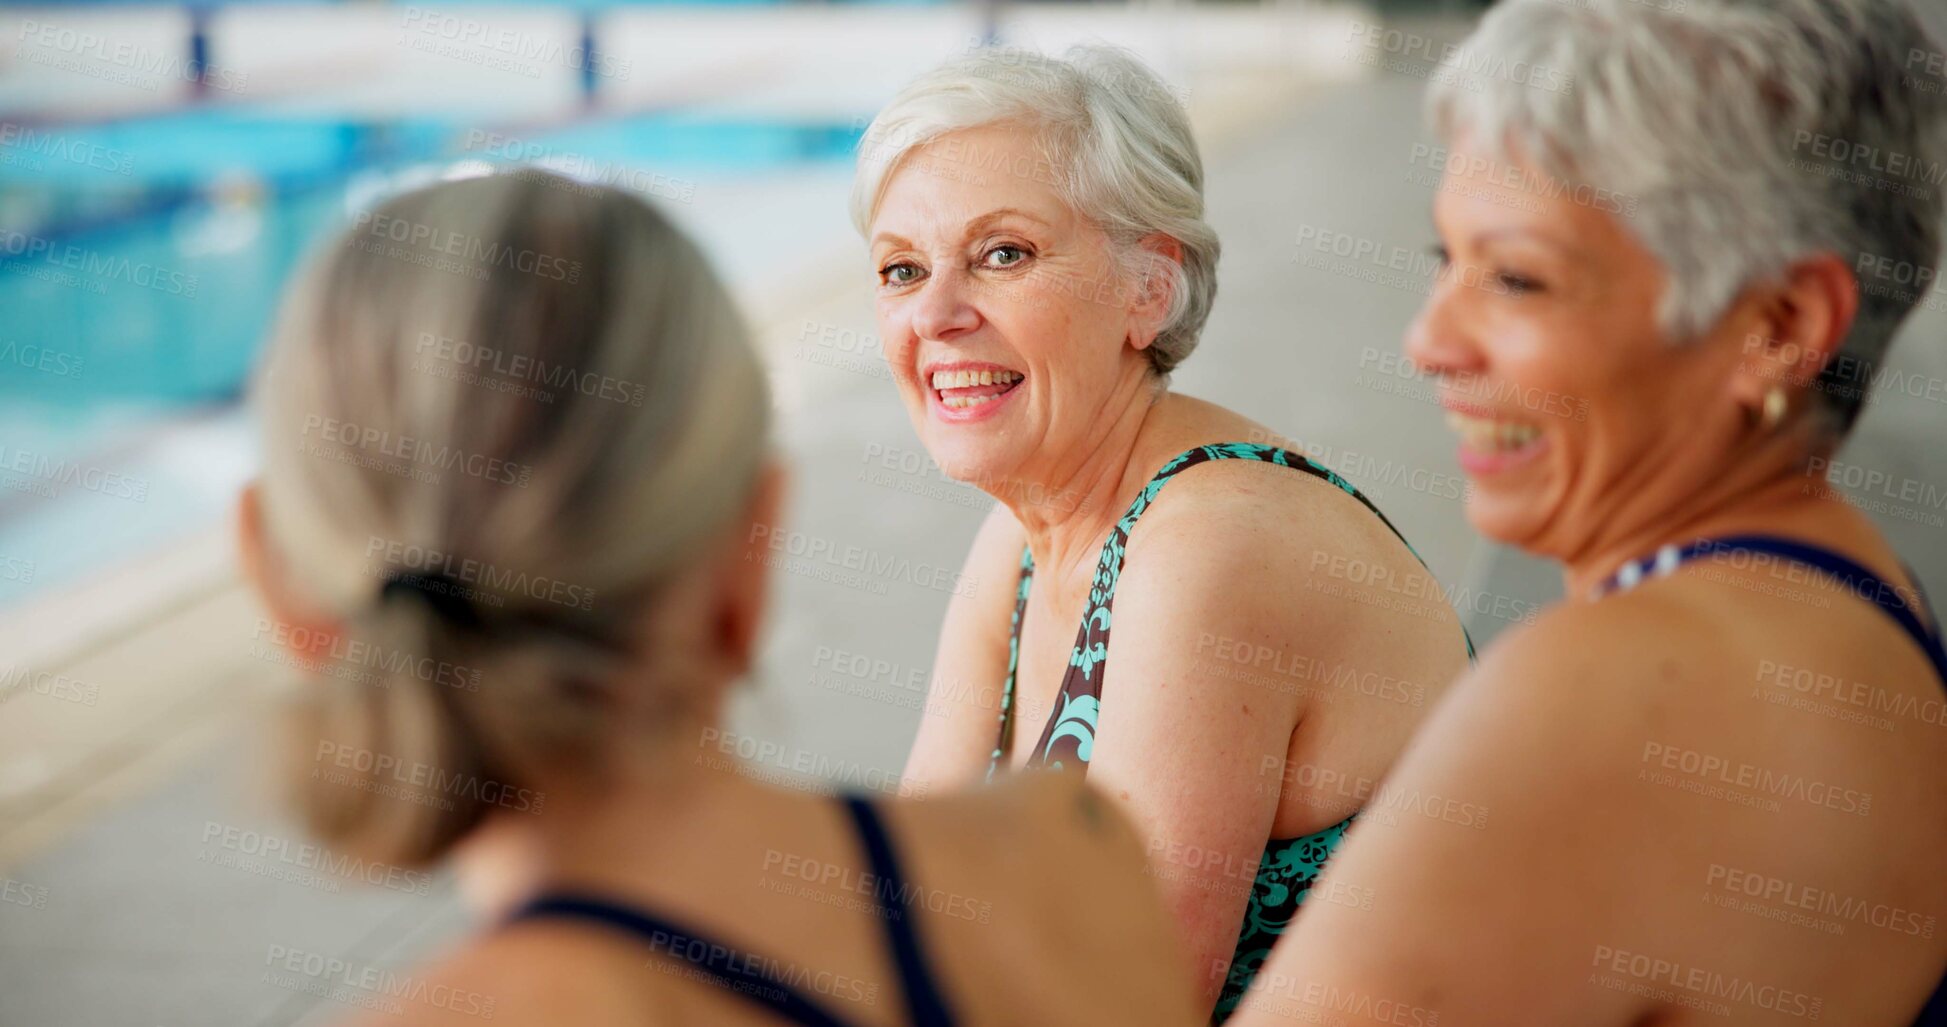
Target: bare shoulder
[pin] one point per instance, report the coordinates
(1590, 668)
(1020, 825)
(1281, 541)
(1039, 874)
(1551, 735)
(1607, 760)
(1225, 509)
(1666, 650)
(534, 974)
(1253, 481)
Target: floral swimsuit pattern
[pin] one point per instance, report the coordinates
(1290, 865)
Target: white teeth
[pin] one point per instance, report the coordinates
(957, 402)
(1491, 436)
(967, 379)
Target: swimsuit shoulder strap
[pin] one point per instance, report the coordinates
(722, 965)
(1006, 739)
(925, 1006)
(1091, 646)
(1109, 568)
(741, 973)
(1890, 599)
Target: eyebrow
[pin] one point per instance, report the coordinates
(996, 215)
(1546, 239)
(974, 227)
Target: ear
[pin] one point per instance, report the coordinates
(306, 631)
(745, 579)
(1792, 330)
(1153, 290)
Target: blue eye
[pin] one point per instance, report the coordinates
(898, 274)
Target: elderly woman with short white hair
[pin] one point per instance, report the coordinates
(1675, 834)
(1037, 231)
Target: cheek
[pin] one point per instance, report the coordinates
(1608, 391)
(1075, 328)
(896, 341)
(1559, 367)
(1018, 308)
(894, 324)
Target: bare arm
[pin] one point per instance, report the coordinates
(961, 720)
(1183, 746)
(1487, 880)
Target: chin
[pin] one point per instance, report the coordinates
(1511, 520)
(960, 458)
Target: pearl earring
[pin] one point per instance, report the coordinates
(1774, 408)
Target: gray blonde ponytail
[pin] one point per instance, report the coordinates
(515, 396)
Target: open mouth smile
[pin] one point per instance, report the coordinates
(1489, 444)
(960, 389)
(966, 391)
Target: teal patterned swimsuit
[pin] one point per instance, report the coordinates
(1290, 865)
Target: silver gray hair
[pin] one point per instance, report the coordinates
(1736, 129)
(1114, 140)
(539, 390)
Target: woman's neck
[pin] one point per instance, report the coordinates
(635, 832)
(1766, 489)
(1084, 491)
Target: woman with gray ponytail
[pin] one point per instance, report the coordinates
(515, 449)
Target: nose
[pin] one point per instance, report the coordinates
(1437, 341)
(945, 309)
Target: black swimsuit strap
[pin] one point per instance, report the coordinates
(728, 968)
(743, 973)
(925, 1006)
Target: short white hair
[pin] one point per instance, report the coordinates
(1115, 141)
(1708, 116)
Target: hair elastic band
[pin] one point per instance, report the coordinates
(442, 592)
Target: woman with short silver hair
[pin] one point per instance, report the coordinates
(1037, 228)
(1714, 777)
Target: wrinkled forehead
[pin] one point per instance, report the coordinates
(968, 181)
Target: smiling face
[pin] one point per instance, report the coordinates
(1579, 418)
(1002, 310)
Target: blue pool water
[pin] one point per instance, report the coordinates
(141, 263)
(151, 275)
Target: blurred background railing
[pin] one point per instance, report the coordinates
(163, 169)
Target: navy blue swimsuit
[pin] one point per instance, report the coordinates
(745, 974)
(1863, 583)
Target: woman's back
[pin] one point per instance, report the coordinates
(1703, 798)
(1029, 901)
(1788, 738)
